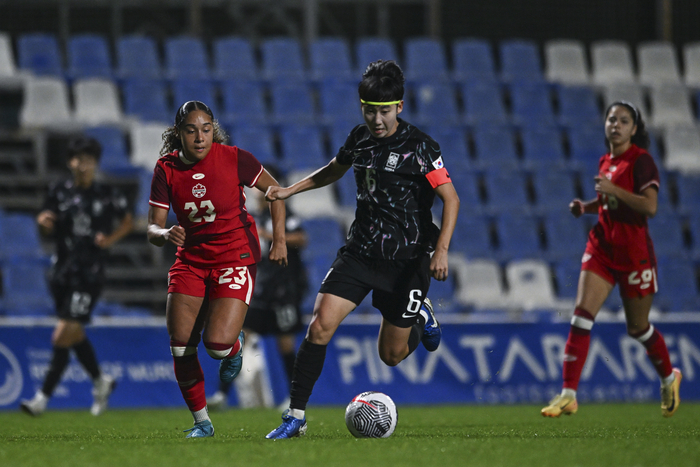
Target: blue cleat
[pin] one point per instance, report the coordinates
(201, 430)
(230, 367)
(432, 334)
(290, 428)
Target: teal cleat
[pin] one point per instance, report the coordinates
(229, 368)
(201, 430)
(290, 428)
(432, 334)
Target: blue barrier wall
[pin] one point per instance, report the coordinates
(476, 363)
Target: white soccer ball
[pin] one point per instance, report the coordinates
(371, 415)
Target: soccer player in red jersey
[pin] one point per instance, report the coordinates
(202, 181)
(619, 251)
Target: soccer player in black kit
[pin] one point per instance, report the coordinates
(79, 214)
(398, 171)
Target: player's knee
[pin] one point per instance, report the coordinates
(319, 334)
(218, 351)
(391, 357)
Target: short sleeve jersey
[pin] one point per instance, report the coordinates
(80, 214)
(394, 195)
(209, 201)
(622, 234)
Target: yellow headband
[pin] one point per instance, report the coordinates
(380, 103)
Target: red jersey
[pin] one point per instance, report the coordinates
(621, 234)
(208, 199)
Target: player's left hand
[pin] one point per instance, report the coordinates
(438, 266)
(101, 240)
(604, 186)
(278, 253)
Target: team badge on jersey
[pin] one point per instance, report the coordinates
(199, 190)
(392, 161)
(437, 163)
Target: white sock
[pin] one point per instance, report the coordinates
(669, 379)
(297, 413)
(201, 415)
(568, 392)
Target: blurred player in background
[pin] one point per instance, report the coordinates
(203, 181)
(619, 251)
(80, 215)
(398, 170)
(276, 305)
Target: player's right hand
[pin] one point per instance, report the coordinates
(576, 207)
(46, 219)
(276, 192)
(175, 235)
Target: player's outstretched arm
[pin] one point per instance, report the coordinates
(126, 225)
(156, 232)
(450, 209)
(326, 175)
(278, 213)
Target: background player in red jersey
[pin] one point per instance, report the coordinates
(203, 181)
(619, 251)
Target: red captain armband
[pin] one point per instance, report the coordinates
(438, 177)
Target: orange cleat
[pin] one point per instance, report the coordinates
(670, 397)
(561, 404)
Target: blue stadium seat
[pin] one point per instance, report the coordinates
(506, 190)
(331, 60)
(425, 59)
(565, 235)
(347, 189)
(554, 188)
(186, 57)
(192, 89)
(688, 190)
(115, 156)
(145, 177)
(494, 147)
(473, 60)
(340, 104)
(520, 61)
(325, 235)
(543, 147)
(40, 54)
(243, 102)
(678, 285)
(258, 140)
(454, 147)
(467, 189)
(472, 237)
(302, 147)
(483, 104)
(147, 100)
(442, 294)
(694, 227)
(586, 146)
(282, 60)
(292, 103)
(666, 231)
(578, 105)
(518, 236)
(138, 58)
(20, 237)
(436, 103)
(566, 273)
(371, 49)
(89, 57)
(531, 104)
(23, 297)
(234, 59)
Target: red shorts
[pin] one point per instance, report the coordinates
(635, 283)
(232, 282)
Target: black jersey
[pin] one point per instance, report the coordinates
(81, 214)
(393, 218)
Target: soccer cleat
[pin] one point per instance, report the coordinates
(230, 367)
(290, 428)
(101, 391)
(200, 430)
(561, 404)
(670, 397)
(36, 405)
(218, 401)
(432, 334)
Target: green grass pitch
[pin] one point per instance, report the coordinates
(445, 436)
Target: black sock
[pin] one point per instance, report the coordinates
(59, 362)
(86, 357)
(415, 337)
(307, 368)
(289, 359)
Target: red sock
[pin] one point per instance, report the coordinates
(656, 350)
(221, 351)
(190, 378)
(576, 349)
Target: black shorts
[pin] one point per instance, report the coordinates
(399, 286)
(273, 318)
(75, 303)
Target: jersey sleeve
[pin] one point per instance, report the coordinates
(249, 168)
(646, 174)
(159, 189)
(345, 153)
(431, 155)
(51, 200)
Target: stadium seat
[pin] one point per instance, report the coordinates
(234, 59)
(494, 147)
(141, 206)
(554, 187)
(347, 189)
(340, 104)
(694, 228)
(483, 104)
(530, 284)
(115, 156)
(424, 59)
(442, 294)
(325, 235)
(331, 60)
(565, 235)
(186, 58)
(22, 297)
(542, 147)
(370, 49)
(629, 92)
(520, 61)
(146, 100)
(282, 60)
(146, 141)
(612, 62)
(20, 237)
(472, 236)
(678, 285)
(691, 64)
(184, 90)
(671, 105)
(682, 149)
(302, 147)
(658, 64)
(97, 102)
(473, 61)
(258, 140)
(436, 103)
(482, 285)
(320, 202)
(292, 103)
(586, 146)
(688, 191)
(138, 58)
(578, 105)
(39, 54)
(88, 57)
(567, 270)
(531, 104)
(243, 102)
(518, 236)
(666, 231)
(565, 62)
(45, 103)
(453, 146)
